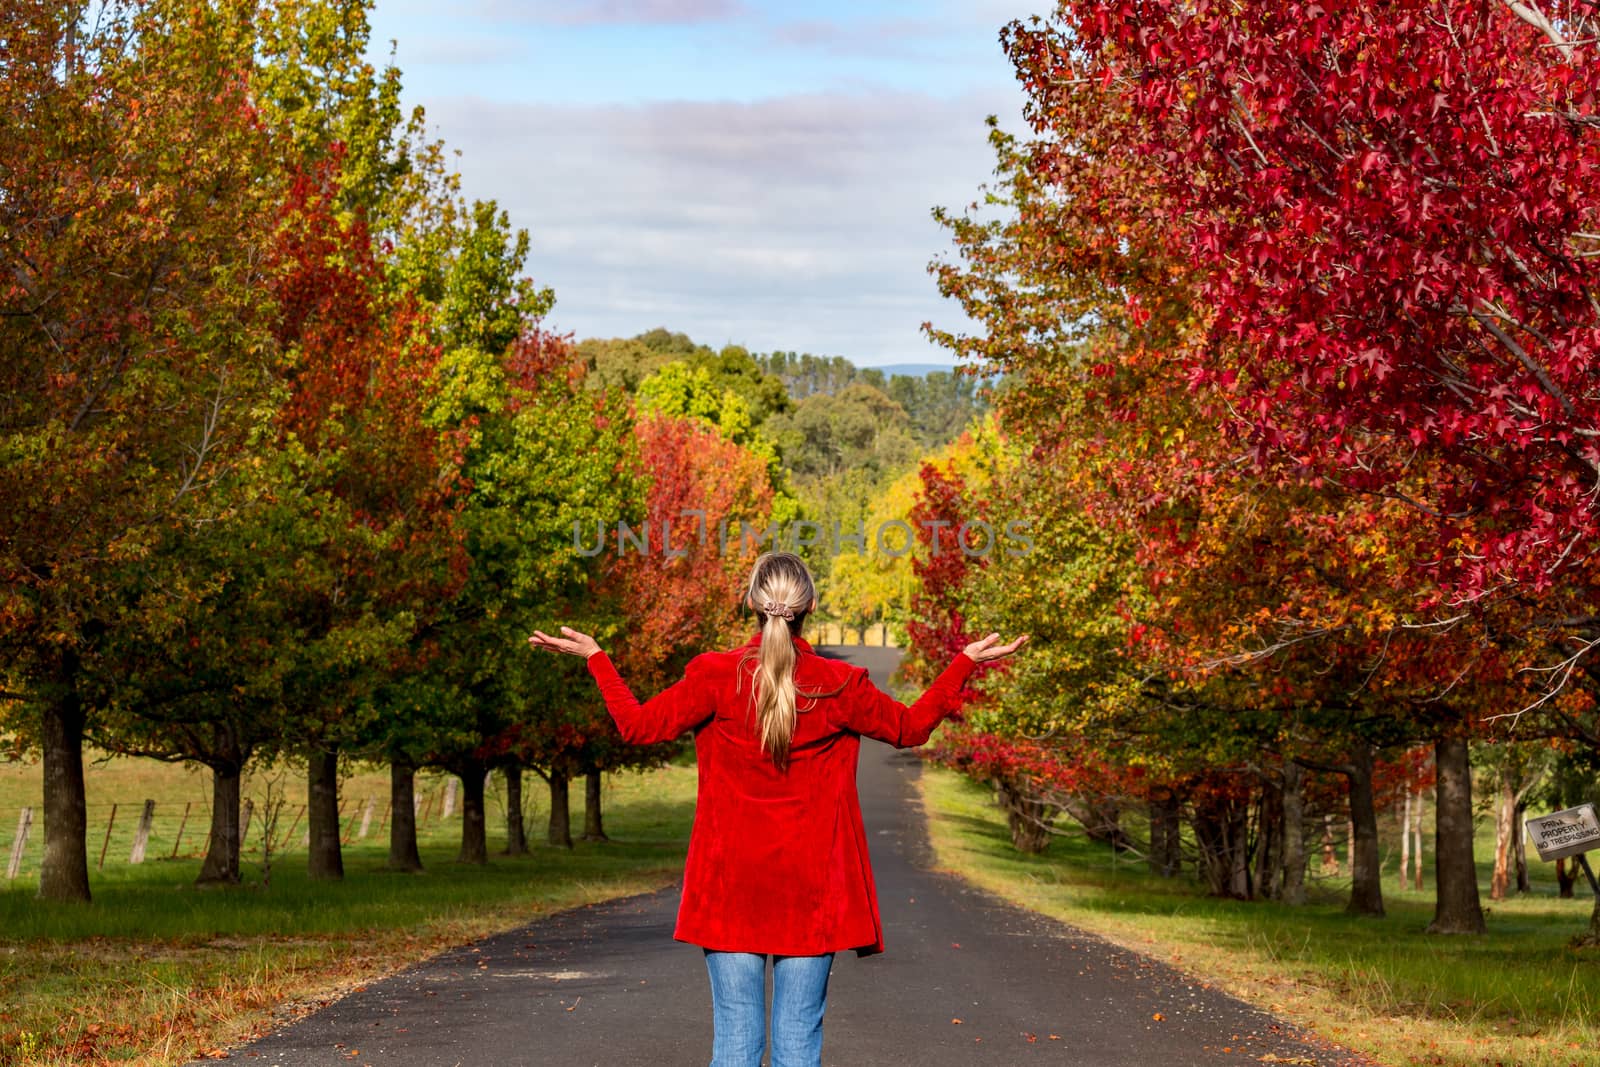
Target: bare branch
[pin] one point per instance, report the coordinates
(1536, 18)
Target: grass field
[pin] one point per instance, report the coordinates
(155, 971)
(1518, 996)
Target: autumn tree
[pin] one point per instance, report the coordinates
(1080, 286)
(1392, 210)
(134, 325)
(547, 458)
(681, 592)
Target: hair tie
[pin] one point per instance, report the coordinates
(781, 611)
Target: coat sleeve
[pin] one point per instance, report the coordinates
(686, 703)
(870, 711)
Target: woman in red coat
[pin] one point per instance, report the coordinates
(777, 860)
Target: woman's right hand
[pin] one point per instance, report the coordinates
(988, 648)
(574, 643)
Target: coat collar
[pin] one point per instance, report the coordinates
(799, 642)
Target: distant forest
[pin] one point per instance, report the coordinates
(824, 415)
(838, 436)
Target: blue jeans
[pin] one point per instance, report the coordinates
(739, 1008)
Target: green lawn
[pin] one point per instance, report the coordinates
(1518, 996)
(155, 971)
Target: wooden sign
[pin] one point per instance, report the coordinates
(1564, 833)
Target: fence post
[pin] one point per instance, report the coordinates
(183, 822)
(449, 798)
(141, 838)
(289, 833)
(107, 842)
(366, 818)
(20, 842)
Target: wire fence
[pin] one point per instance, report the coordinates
(137, 831)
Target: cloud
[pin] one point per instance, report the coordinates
(613, 12)
(797, 222)
(878, 37)
(464, 51)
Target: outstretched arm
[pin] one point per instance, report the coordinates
(661, 718)
(870, 711)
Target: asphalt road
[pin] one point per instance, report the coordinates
(965, 979)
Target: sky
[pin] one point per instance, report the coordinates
(743, 171)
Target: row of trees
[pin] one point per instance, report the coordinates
(1303, 307)
(292, 466)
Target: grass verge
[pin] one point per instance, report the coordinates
(155, 971)
(1517, 996)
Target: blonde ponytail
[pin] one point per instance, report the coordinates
(781, 592)
(776, 694)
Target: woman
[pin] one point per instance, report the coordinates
(777, 858)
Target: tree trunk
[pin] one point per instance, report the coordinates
(1172, 837)
(1238, 827)
(593, 826)
(1027, 817)
(516, 833)
(1590, 938)
(325, 860)
(1565, 879)
(64, 874)
(1108, 829)
(1456, 906)
(474, 829)
(1220, 825)
(1366, 877)
(221, 865)
(1269, 842)
(1208, 847)
(1592, 935)
(403, 854)
(1405, 841)
(1158, 837)
(1101, 820)
(1504, 811)
(1294, 834)
(1519, 845)
(560, 831)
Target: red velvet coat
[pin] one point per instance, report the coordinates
(778, 860)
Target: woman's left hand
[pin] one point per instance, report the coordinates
(575, 643)
(987, 649)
